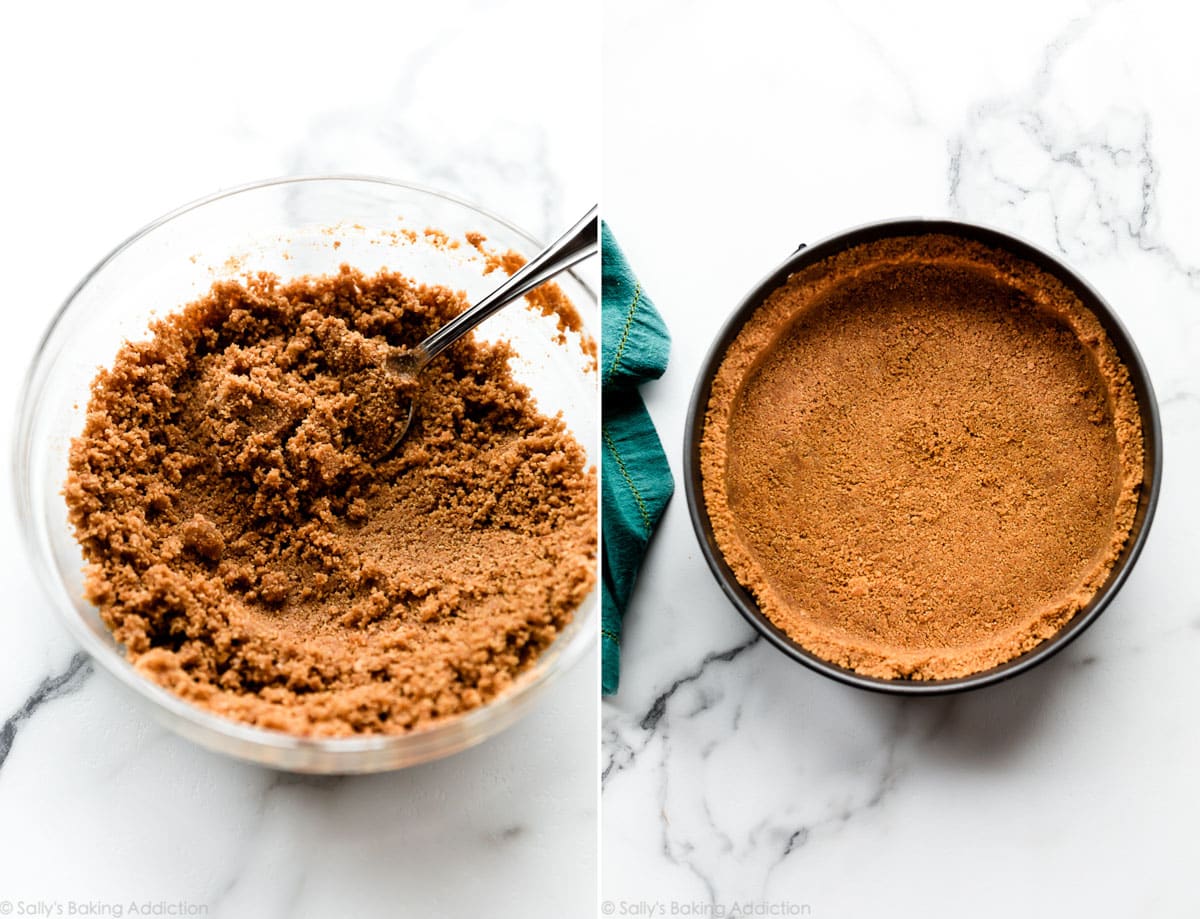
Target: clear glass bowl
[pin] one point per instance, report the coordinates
(288, 226)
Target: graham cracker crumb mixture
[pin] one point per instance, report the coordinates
(252, 557)
(548, 299)
(922, 456)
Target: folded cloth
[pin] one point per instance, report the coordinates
(636, 481)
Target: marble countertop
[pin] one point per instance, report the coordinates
(733, 776)
(120, 114)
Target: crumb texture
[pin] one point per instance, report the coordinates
(922, 456)
(251, 554)
(547, 299)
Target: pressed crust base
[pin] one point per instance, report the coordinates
(922, 456)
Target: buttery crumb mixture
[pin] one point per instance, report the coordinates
(250, 554)
(922, 456)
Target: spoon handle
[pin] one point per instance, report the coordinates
(579, 242)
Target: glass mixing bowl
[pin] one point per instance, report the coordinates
(289, 226)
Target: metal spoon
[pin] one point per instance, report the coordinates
(576, 244)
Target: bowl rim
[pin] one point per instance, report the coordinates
(420, 745)
(1148, 409)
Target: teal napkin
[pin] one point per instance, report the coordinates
(636, 481)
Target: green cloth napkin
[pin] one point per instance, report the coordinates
(636, 481)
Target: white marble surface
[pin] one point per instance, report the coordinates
(114, 114)
(732, 775)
